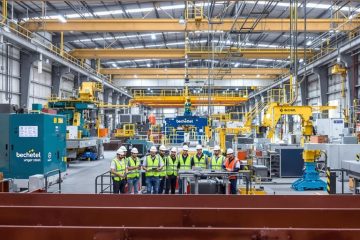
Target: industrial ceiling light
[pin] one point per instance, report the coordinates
(237, 65)
(61, 19)
(308, 43)
(153, 36)
(148, 65)
(114, 65)
(237, 89)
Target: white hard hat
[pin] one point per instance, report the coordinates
(198, 147)
(185, 148)
(217, 148)
(153, 149)
(120, 152)
(174, 149)
(134, 150)
(229, 151)
(162, 148)
(123, 148)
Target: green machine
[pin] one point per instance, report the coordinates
(32, 144)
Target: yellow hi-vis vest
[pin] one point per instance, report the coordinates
(217, 163)
(172, 166)
(162, 173)
(151, 165)
(120, 168)
(185, 164)
(133, 163)
(200, 162)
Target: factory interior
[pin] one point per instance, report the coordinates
(180, 119)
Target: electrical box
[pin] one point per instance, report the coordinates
(72, 132)
(332, 127)
(32, 144)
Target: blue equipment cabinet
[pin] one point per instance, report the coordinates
(33, 144)
(184, 121)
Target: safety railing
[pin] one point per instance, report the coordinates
(103, 183)
(58, 181)
(40, 41)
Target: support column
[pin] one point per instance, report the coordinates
(323, 77)
(350, 81)
(107, 113)
(78, 79)
(56, 74)
(26, 64)
(303, 91)
(115, 98)
(107, 92)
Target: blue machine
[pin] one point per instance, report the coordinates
(310, 179)
(199, 123)
(32, 144)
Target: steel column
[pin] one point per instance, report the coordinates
(350, 84)
(303, 91)
(57, 73)
(323, 78)
(26, 65)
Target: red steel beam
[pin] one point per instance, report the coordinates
(216, 201)
(51, 216)
(181, 217)
(105, 233)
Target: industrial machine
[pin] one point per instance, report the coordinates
(127, 130)
(32, 144)
(82, 120)
(186, 128)
(310, 179)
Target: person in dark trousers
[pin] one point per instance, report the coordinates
(185, 164)
(118, 172)
(172, 167)
(152, 166)
(162, 173)
(133, 171)
(232, 165)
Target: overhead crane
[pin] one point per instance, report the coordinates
(191, 71)
(116, 53)
(193, 76)
(172, 99)
(190, 25)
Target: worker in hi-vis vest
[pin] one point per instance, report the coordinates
(185, 164)
(118, 172)
(199, 160)
(217, 159)
(133, 171)
(172, 167)
(231, 164)
(162, 173)
(152, 166)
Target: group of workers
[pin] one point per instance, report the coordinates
(161, 171)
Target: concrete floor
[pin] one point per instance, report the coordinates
(80, 178)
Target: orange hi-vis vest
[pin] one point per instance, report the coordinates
(230, 166)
